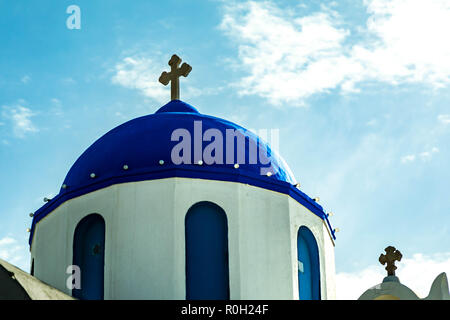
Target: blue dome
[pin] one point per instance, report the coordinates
(142, 143)
(141, 149)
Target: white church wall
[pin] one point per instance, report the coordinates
(145, 241)
(49, 250)
(328, 280)
(264, 244)
(300, 216)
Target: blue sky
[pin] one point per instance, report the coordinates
(358, 89)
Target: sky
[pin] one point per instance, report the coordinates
(359, 91)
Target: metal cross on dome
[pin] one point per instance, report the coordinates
(389, 259)
(174, 75)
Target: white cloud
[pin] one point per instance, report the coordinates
(25, 79)
(20, 118)
(142, 74)
(428, 154)
(68, 81)
(417, 273)
(56, 107)
(119, 114)
(7, 241)
(289, 58)
(408, 158)
(12, 252)
(424, 156)
(410, 42)
(444, 118)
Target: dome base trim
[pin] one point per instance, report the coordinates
(174, 171)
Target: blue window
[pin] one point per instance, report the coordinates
(308, 265)
(89, 255)
(207, 275)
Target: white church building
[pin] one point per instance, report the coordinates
(161, 208)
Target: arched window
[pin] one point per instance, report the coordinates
(308, 265)
(206, 230)
(89, 255)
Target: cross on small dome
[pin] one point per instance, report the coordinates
(389, 259)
